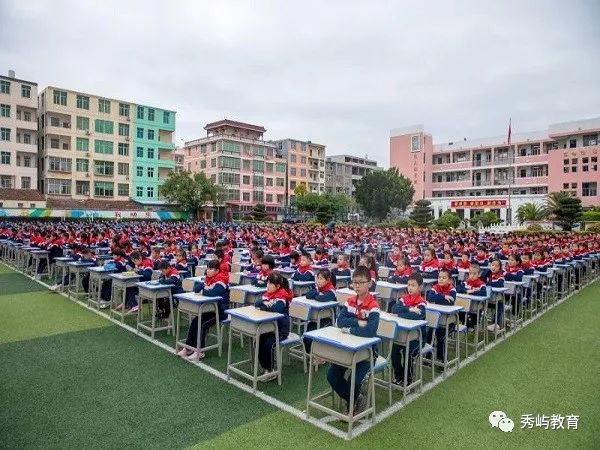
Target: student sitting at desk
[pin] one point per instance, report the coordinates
(170, 275)
(266, 268)
(495, 279)
(86, 255)
(305, 270)
(414, 256)
(119, 262)
(216, 284)
(342, 267)
(370, 263)
(256, 256)
(514, 272)
(464, 262)
(430, 265)
(360, 317)
(392, 260)
(410, 306)
(442, 293)
(181, 262)
(294, 259)
(224, 260)
(403, 271)
(143, 267)
(472, 285)
(324, 292)
(448, 263)
(156, 257)
(276, 299)
(321, 257)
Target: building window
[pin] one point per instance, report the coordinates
(259, 196)
(123, 169)
(565, 185)
(573, 185)
(4, 157)
(572, 143)
(123, 129)
(246, 164)
(123, 190)
(150, 192)
(58, 187)
(25, 182)
(293, 171)
(54, 121)
(123, 149)
(6, 181)
(82, 187)
(246, 179)
(202, 164)
(104, 189)
(258, 166)
(573, 169)
(280, 167)
(589, 189)
(139, 152)
(4, 87)
(83, 123)
(4, 134)
(60, 98)
(82, 165)
(26, 138)
(150, 153)
(230, 147)
(258, 180)
(150, 172)
(229, 162)
(25, 91)
(280, 182)
(246, 196)
(140, 113)
(150, 135)
(106, 168)
(293, 158)
(104, 107)
(269, 198)
(139, 171)
(4, 110)
(213, 162)
(103, 126)
(59, 164)
(83, 102)
(302, 172)
(26, 161)
(123, 110)
(269, 182)
(140, 133)
(104, 147)
(139, 191)
(566, 169)
(166, 117)
(151, 114)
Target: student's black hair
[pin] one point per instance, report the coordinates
(269, 260)
(213, 264)
(447, 272)
(119, 252)
(405, 261)
(496, 260)
(319, 251)
(294, 255)
(477, 266)
(135, 255)
(416, 277)
(306, 255)
(517, 258)
(163, 265)
(529, 254)
(279, 280)
(219, 253)
(259, 253)
(328, 275)
(86, 250)
(362, 271)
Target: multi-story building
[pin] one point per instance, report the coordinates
(179, 158)
(471, 176)
(18, 133)
(343, 172)
(235, 156)
(98, 147)
(306, 165)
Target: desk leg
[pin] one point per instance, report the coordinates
(310, 381)
(229, 352)
(255, 367)
(153, 316)
(351, 405)
(172, 314)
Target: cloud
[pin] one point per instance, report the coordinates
(341, 73)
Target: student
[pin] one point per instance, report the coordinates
(181, 262)
(448, 263)
(86, 255)
(513, 272)
(216, 284)
(324, 292)
(276, 299)
(403, 271)
(156, 257)
(224, 260)
(143, 267)
(392, 260)
(410, 306)
(294, 259)
(368, 261)
(321, 257)
(495, 279)
(305, 270)
(472, 285)
(360, 317)
(169, 275)
(464, 262)
(256, 256)
(119, 262)
(414, 256)
(266, 268)
(442, 293)
(342, 267)
(429, 266)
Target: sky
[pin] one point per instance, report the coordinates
(340, 73)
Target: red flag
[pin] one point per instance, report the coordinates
(509, 130)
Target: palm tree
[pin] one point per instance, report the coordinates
(555, 199)
(532, 212)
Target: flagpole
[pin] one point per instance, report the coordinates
(510, 173)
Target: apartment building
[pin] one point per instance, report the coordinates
(306, 165)
(179, 159)
(236, 156)
(471, 176)
(344, 172)
(18, 133)
(102, 148)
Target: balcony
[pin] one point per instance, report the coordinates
(482, 162)
(532, 159)
(26, 148)
(482, 182)
(29, 125)
(463, 184)
(165, 145)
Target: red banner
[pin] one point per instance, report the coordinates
(478, 204)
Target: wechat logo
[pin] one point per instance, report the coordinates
(498, 419)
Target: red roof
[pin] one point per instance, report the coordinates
(28, 195)
(93, 204)
(233, 123)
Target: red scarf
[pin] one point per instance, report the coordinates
(449, 265)
(222, 277)
(327, 288)
(496, 276)
(473, 284)
(406, 272)
(443, 290)
(279, 294)
(304, 269)
(172, 272)
(413, 300)
(464, 264)
(362, 311)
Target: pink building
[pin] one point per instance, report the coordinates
(471, 176)
(235, 156)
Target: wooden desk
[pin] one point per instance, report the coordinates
(120, 282)
(152, 291)
(193, 304)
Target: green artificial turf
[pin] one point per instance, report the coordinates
(69, 378)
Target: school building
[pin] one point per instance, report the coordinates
(472, 176)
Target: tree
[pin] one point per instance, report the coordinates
(447, 220)
(567, 211)
(532, 212)
(300, 190)
(307, 202)
(325, 207)
(190, 191)
(487, 219)
(259, 212)
(590, 216)
(554, 198)
(422, 213)
(380, 191)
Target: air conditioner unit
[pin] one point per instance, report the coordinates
(127, 178)
(87, 132)
(87, 154)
